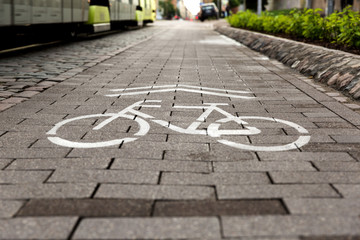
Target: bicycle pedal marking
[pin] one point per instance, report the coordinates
(180, 88)
(213, 130)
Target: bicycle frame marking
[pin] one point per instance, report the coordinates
(212, 130)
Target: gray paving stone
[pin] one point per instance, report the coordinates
(213, 178)
(305, 156)
(315, 177)
(149, 228)
(327, 237)
(338, 166)
(218, 154)
(275, 191)
(104, 176)
(33, 153)
(262, 166)
(87, 207)
(161, 165)
(289, 226)
(348, 190)
(37, 228)
(5, 162)
(336, 207)
(115, 152)
(13, 177)
(54, 163)
(26, 191)
(346, 139)
(218, 208)
(9, 208)
(154, 192)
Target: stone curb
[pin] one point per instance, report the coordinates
(337, 69)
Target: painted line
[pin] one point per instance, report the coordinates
(182, 86)
(180, 90)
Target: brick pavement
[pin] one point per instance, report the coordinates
(168, 184)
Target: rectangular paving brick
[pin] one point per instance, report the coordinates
(37, 228)
(346, 138)
(104, 176)
(161, 165)
(9, 208)
(348, 190)
(328, 237)
(145, 153)
(154, 192)
(338, 166)
(261, 226)
(313, 206)
(53, 163)
(23, 176)
(305, 156)
(275, 191)
(214, 178)
(315, 177)
(87, 207)
(262, 166)
(26, 191)
(218, 208)
(149, 228)
(5, 162)
(34, 153)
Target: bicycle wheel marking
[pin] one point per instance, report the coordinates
(144, 128)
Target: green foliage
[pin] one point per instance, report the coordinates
(340, 27)
(168, 9)
(234, 3)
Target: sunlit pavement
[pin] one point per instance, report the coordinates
(185, 135)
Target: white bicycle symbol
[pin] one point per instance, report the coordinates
(213, 129)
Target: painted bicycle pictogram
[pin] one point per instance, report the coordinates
(214, 129)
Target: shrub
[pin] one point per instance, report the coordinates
(339, 27)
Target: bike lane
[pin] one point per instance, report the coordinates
(187, 135)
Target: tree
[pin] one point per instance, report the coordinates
(252, 5)
(168, 9)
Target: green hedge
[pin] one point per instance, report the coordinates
(340, 27)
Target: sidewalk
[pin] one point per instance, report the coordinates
(188, 135)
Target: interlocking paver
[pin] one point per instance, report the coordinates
(8, 177)
(9, 208)
(87, 207)
(348, 190)
(218, 208)
(35, 190)
(262, 166)
(162, 165)
(55, 163)
(289, 226)
(338, 166)
(37, 228)
(275, 191)
(104, 176)
(315, 177)
(154, 192)
(213, 178)
(146, 228)
(336, 207)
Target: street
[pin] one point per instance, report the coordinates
(173, 132)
